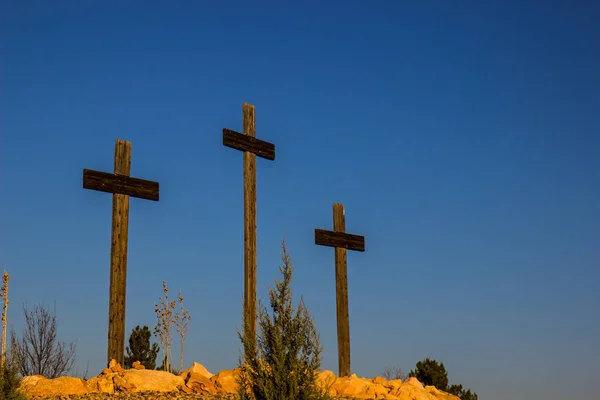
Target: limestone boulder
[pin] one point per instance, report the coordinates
(326, 380)
(39, 386)
(198, 380)
(196, 368)
(358, 388)
(379, 380)
(412, 389)
(31, 381)
(102, 383)
(134, 380)
(138, 365)
(114, 366)
(414, 382)
(393, 384)
(199, 384)
(121, 385)
(437, 394)
(225, 381)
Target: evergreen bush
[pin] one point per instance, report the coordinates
(139, 348)
(285, 361)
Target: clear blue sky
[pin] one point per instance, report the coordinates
(462, 137)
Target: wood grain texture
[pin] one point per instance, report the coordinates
(339, 239)
(118, 258)
(248, 143)
(249, 124)
(252, 147)
(341, 295)
(342, 241)
(121, 184)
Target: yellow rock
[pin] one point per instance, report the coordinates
(134, 380)
(114, 366)
(198, 380)
(196, 368)
(39, 386)
(225, 381)
(138, 365)
(200, 384)
(379, 380)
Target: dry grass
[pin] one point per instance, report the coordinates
(166, 317)
(181, 322)
(164, 314)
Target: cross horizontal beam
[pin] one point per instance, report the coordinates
(339, 239)
(243, 142)
(115, 183)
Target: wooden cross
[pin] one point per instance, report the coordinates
(341, 241)
(121, 185)
(252, 147)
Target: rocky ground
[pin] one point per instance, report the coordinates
(197, 382)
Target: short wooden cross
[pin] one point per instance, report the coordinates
(252, 147)
(121, 185)
(341, 241)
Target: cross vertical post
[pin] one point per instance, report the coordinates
(251, 147)
(121, 185)
(249, 126)
(118, 257)
(341, 241)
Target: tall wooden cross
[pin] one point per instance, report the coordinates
(121, 185)
(252, 147)
(341, 241)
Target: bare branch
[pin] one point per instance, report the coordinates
(393, 373)
(39, 352)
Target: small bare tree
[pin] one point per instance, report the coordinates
(181, 322)
(393, 373)
(39, 352)
(164, 314)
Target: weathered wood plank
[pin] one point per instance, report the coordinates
(341, 295)
(339, 239)
(249, 126)
(342, 241)
(118, 258)
(248, 143)
(121, 184)
(252, 147)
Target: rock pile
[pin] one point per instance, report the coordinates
(198, 380)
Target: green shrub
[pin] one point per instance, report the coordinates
(139, 348)
(285, 362)
(9, 382)
(458, 391)
(430, 372)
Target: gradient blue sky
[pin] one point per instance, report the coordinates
(462, 137)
